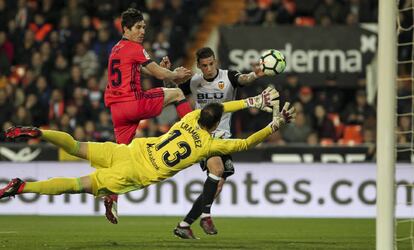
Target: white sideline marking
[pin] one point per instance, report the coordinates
(8, 232)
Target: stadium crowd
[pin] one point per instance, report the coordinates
(53, 66)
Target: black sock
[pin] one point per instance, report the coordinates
(209, 191)
(195, 211)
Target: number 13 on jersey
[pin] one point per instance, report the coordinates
(173, 158)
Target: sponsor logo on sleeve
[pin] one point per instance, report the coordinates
(146, 54)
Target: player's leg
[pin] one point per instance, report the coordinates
(53, 186)
(202, 204)
(66, 142)
(58, 138)
(176, 96)
(216, 169)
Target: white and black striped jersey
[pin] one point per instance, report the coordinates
(220, 89)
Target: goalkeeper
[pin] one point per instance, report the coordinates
(123, 168)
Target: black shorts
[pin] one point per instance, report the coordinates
(227, 162)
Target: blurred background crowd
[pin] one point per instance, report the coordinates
(53, 63)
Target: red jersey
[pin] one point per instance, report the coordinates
(124, 72)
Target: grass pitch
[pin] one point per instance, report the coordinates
(53, 232)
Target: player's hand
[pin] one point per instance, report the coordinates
(181, 74)
(165, 62)
(257, 69)
(280, 118)
(264, 100)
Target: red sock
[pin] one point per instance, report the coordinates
(183, 107)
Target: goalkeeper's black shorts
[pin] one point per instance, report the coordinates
(227, 163)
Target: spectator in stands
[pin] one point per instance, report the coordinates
(152, 129)
(6, 53)
(286, 12)
(22, 117)
(38, 113)
(404, 89)
(75, 12)
(57, 45)
(329, 9)
(322, 125)
(36, 64)
(40, 27)
(73, 113)
(60, 74)
(25, 48)
(22, 15)
(47, 55)
(65, 32)
(276, 139)
(49, 10)
(4, 15)
(403, 129)
(269, 19)
(359, 111)
(160, 46)
(298, 131)
(313, 139)
(102, 47)
(79, 133)
(243, 19)
(80, 100)
(42, 90)
(75, 81)
(369, 140)
(56, 106)
(290, 89)
(248, 115)
(87, 60)
(363, 11)
(329, 96)
(6, 107)
(351, 19)
(254, 13)
(305, 97)
(90, 131)
(104, 127)
(64, 123)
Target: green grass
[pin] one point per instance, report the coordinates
(50, 232)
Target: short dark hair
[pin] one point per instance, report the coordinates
(205, 52)
(210, 115)
(130, 17)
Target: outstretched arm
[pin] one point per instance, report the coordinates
(263, 101)
(228, 146)
(247, 79)
(165, 74)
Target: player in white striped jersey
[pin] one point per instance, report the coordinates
(212, 85)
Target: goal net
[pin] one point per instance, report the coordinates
(404, 118)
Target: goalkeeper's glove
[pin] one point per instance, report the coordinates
(265, 99)
(287, 115)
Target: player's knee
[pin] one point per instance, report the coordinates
(179, 95)
(215, 166)
(173, 95)
(87, 184)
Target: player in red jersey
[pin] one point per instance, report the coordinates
(129, 104)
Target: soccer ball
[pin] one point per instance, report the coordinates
(272, 62)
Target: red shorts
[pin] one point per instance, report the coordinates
(127, 115)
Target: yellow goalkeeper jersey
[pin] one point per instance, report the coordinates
(186, 143)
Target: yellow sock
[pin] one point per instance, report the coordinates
(62, 140)
(54, 186)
